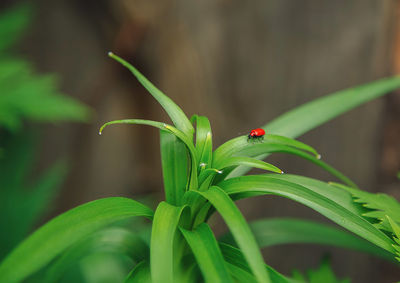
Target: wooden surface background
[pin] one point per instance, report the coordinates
(241, 63)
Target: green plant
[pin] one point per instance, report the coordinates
(25, 97)
(198, 182)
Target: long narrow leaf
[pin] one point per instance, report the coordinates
(63, 231)
(242, 145)
(310, 115)
(250, 162)
(175, 113)
(203, 140)
(165, 223)
(264, 184)
(207, 253)
(279, 231)
(324, 189)
(239, 228)
(255, 149)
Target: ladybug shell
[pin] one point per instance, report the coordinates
(257, 132)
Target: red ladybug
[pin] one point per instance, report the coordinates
(256, 134)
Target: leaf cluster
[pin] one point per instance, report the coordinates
(200, 181)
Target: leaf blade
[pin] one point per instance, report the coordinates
(114, 239)
(240, 147)
(312, 114)
(238, 225)
(63, 231)
(249, 162)
(203, 140)
(278, 231)
(265, 184)
(165, 223)
(378, 206)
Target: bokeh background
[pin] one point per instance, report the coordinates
(240, 63)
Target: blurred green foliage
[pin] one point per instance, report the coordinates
(22, 202)
(25, 96)
(323, 273)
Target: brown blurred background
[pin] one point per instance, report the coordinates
(240, 63)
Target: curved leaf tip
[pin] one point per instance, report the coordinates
(159, 125)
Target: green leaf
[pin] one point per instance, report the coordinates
(29, 96)
(240, 230)
(176, 114)
(240, 147)
(240, 269)
(293, 143)
(63, 231)
(203, 140)
(207, 253)
(174, 162)
(396, 236)
(12, 24)
(247, 186)
(165, 223)
(250, 162)
(382, 208)
(162, 126)
(325, 189)
(240, 275)
(22, 200)
(139, 274)
(112, 240)
(378, 206)
(36, 202)
(310, 115)
(279, 231)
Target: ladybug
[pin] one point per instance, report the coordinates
(256, 134)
